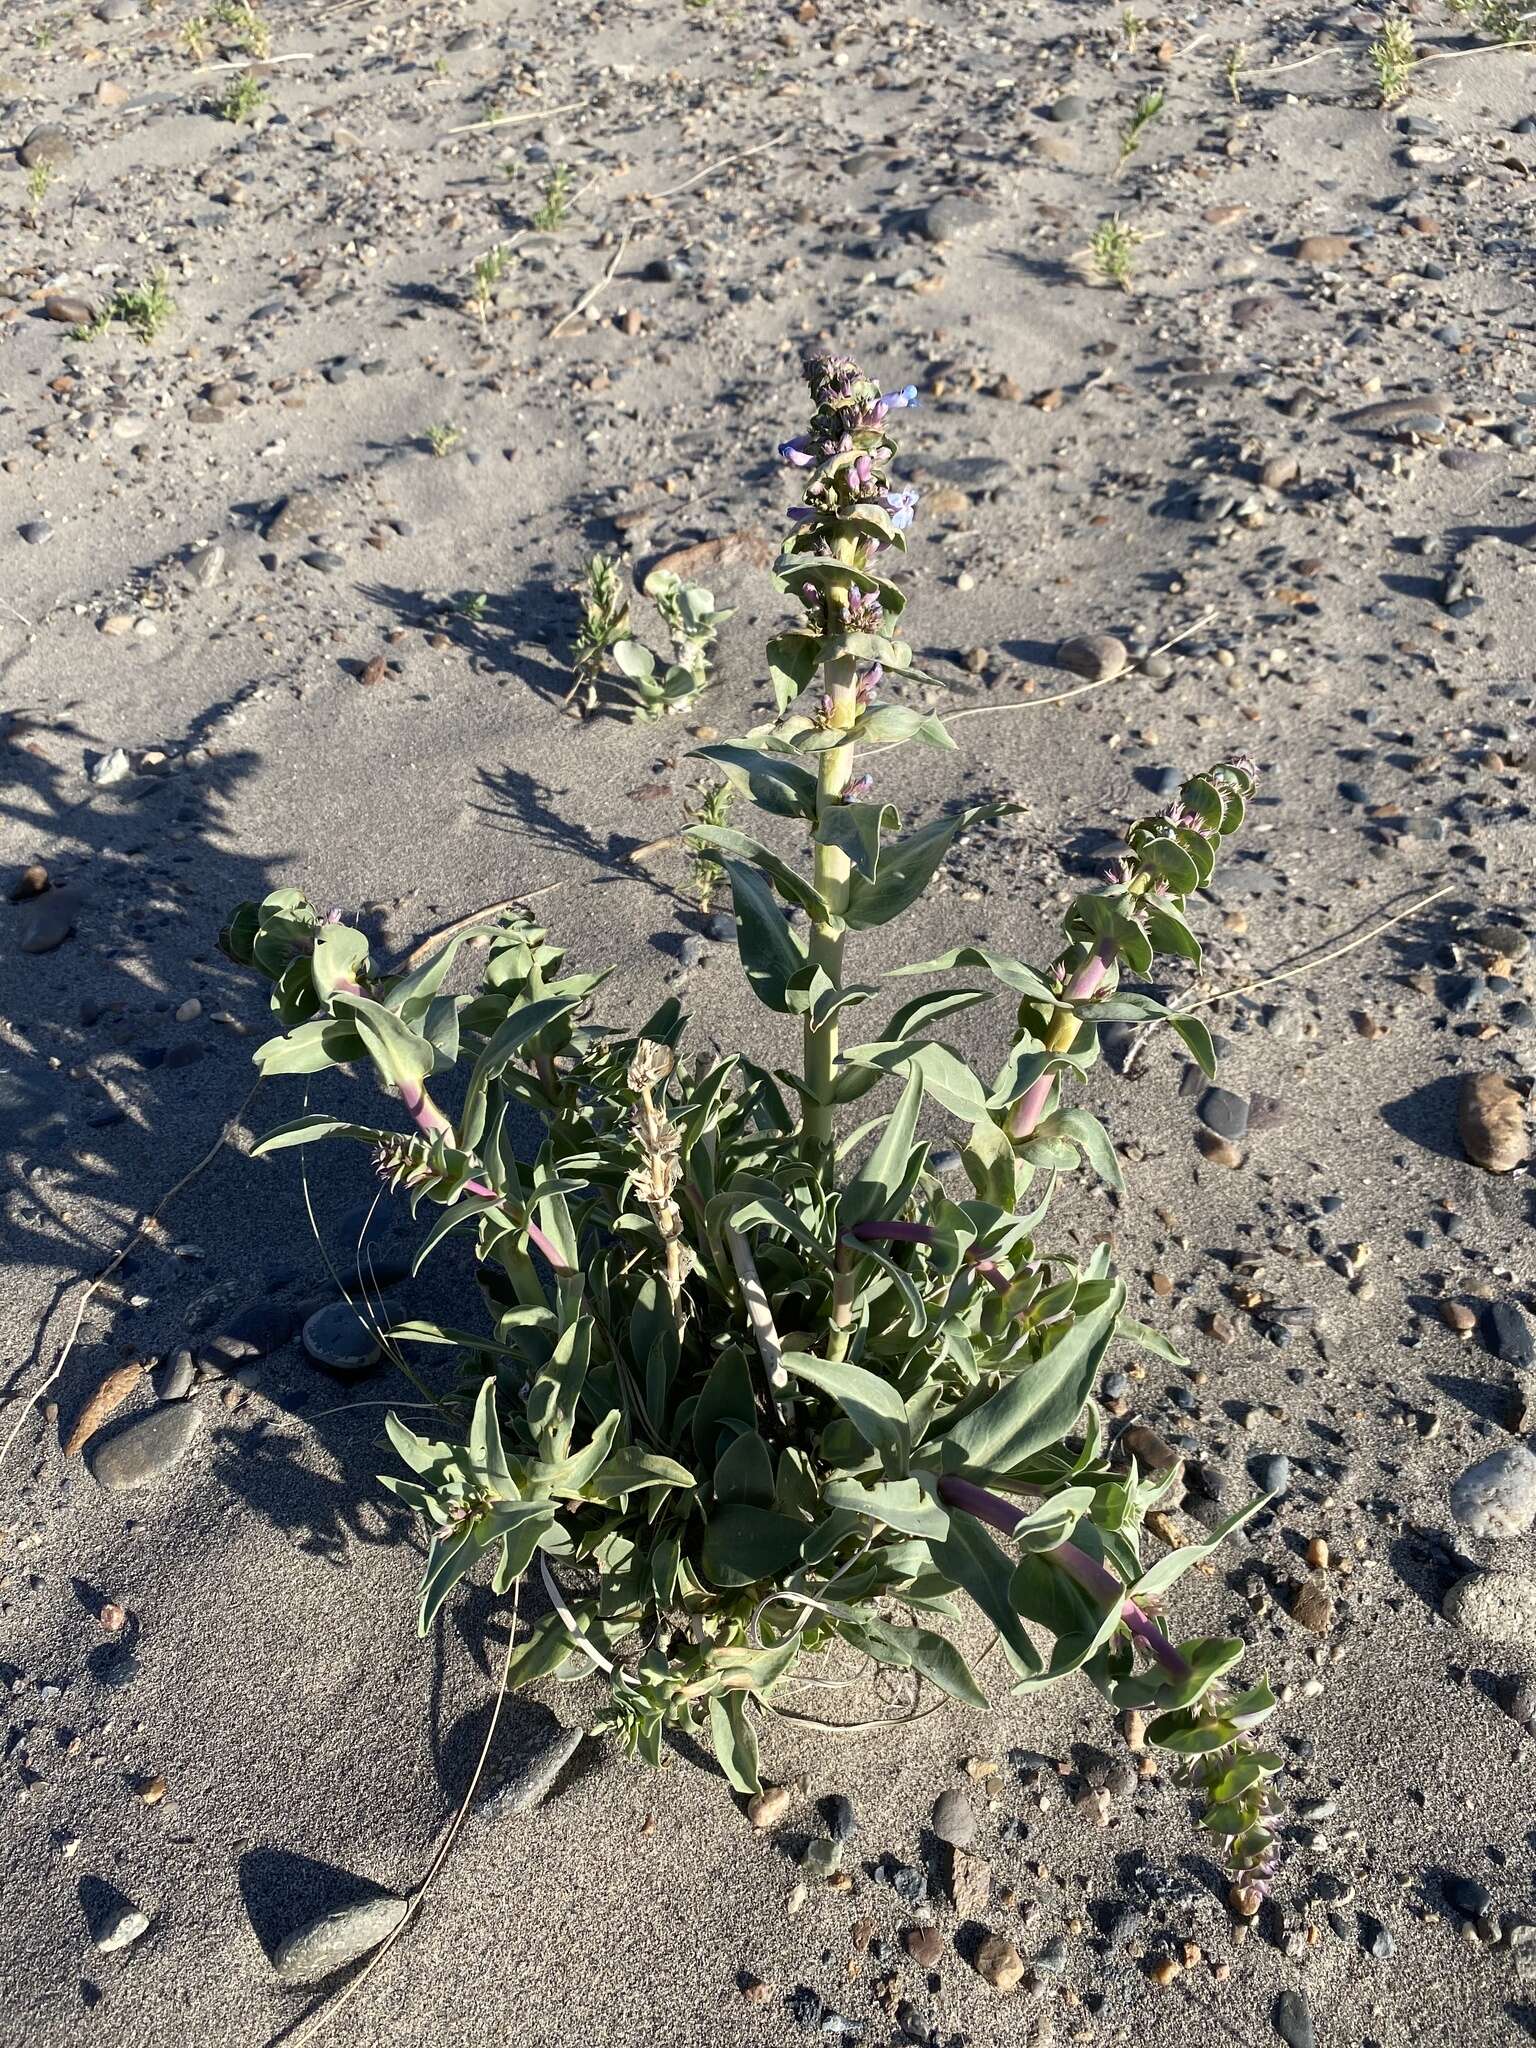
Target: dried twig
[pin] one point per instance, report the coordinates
(654, 846)
(724, 163)
(511, 120)
(1081, 689)
(1305, 962)
(140, 1228)
(588, 297)
(254, 63)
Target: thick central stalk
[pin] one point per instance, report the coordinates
(832, 871)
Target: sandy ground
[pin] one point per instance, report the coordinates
(1096, 460)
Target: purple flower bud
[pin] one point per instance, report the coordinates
(869, 682)
(860, 786)
(797, 452)
(895, 401)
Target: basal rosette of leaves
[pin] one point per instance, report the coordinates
(755, 1382)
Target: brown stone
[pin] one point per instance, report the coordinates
(767, 1808)
(970, 1884)
(32, 881)
(67, 311)
(1098, 656)
(1491, 1119)
(1219, 1151)
(1151, 1450)
(925, 1945)
(1322, 248)
(1312, 1606)
(747, 548)
(999, 1963)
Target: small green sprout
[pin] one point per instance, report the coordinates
(487, 273)
(605, 642)
(242, 28)
(143, 308)
(1505, 21)
(196, 34)
(1112, 252)
(1144, 113)
(444, 437)
(709, 804)
(1131, 26)
(39, 178)
(1233, 71)
(242, 99)
(549, 217)
(1393, 59)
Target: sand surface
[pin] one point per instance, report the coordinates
(1095, 461)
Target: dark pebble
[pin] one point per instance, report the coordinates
(1224, 1113)
(1273, 1474)
(837, 1811)
(1508, 1335)
(1293, 2020)
(805, 2006)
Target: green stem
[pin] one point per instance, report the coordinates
(834, 767)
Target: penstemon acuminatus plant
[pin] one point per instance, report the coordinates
(756, 1384)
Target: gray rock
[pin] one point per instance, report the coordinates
(47, 145)
(174, 1378)
(299, 513)
(1098, 656)
(1224, 1113)
(46, 921)
(1498, 1607)
(951, 217)
(323, 559)
(147, 1449)
(1070, 107)
(117, 10)
(1293, 2020)
(1272, 1473)
(954, 1818)
(120, 1928)
(531, 1782)
(113, 766)
(1497, 1495)
(1508, 1334)
(340, 1342)
(35, 532)
(329, 1943)
(1376, 1939)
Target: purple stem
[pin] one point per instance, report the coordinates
(1086, 1571)
(429, 1119)
(1030, 1107)
(876, 1232)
